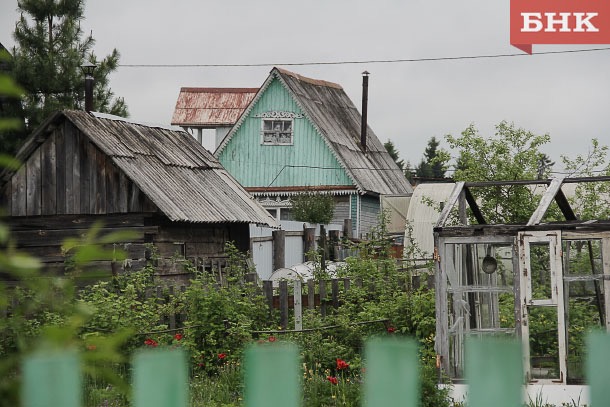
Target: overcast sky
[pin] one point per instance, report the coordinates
(565, 95)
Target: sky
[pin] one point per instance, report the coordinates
(565, 95)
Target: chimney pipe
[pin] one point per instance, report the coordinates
(88, 69)
(365, 101)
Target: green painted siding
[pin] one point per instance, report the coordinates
(257, 165)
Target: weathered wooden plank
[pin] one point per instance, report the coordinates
(60, 164)
(33, 184)
(112, 187)
(5, 198)
(284, 304)
(100, 174)
(123, 193)
(73, 196)
(450, 203)
(84, 174)
(93, 177)
(134, 204)
(311, 292)
(49, 176)
(545, 201)
(52, 237)
(68, 158)
(19, 193)
(76, 222)
(298, 305)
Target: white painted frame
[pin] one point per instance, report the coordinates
(553, 238)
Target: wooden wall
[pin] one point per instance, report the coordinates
(67, 174)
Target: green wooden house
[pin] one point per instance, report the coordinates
(300, 134)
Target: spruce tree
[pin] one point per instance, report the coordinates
(51, 47)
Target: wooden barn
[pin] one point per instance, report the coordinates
(80, 168)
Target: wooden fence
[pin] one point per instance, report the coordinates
(160, 376)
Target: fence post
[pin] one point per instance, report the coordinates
(494, 371)
(51, 379)
(311, 294)
(279, 242)
(268, 290)
(298, 305)
(322, 297)
(392, 374)
(272, 375)
(309, 242)
(160, 378)
(284, 304)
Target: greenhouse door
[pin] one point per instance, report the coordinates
(542, 307)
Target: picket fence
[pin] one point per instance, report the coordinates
(161, 379)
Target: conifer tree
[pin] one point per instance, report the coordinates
(50, 49)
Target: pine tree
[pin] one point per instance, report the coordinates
(51, 48)
(391, 149)
(433, 165)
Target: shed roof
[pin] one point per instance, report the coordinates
(338, 121)
(211, 107)
(183, 179)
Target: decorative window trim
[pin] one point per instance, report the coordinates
(279, 114)
(277, 132)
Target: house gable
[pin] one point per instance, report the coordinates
(305, 161)
(66, 175)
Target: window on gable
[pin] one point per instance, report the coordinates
(277, 132)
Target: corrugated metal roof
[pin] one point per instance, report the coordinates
(423, 213)
(184, 180)
(207, 107)
(339, 121)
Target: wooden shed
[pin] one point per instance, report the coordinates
(80, 168)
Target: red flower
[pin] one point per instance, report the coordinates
(391, 329)
(222, 356)
(178, 337)
(342, 364)
(272, 339)
(91, 347)
(151, 342)
(201, 364)
(332, 379)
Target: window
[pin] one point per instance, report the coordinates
(277, 132)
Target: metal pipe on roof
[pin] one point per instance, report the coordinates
(365, 101)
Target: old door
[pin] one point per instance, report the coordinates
(542, 307)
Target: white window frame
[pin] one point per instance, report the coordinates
(271, 137)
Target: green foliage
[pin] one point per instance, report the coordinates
(512, 154)
(313, 207)
(391, 149)
(51, 47)
(434, 163)
(592, 200)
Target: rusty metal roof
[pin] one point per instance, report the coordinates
(211, 107)
(184, 180)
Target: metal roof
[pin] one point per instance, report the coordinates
(338, 121)
(184, 180)
(211, 107)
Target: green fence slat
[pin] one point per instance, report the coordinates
(598, 368)
(494, 371)
(160, 378)
(51, 379)
(392, 373)
(271, 375)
